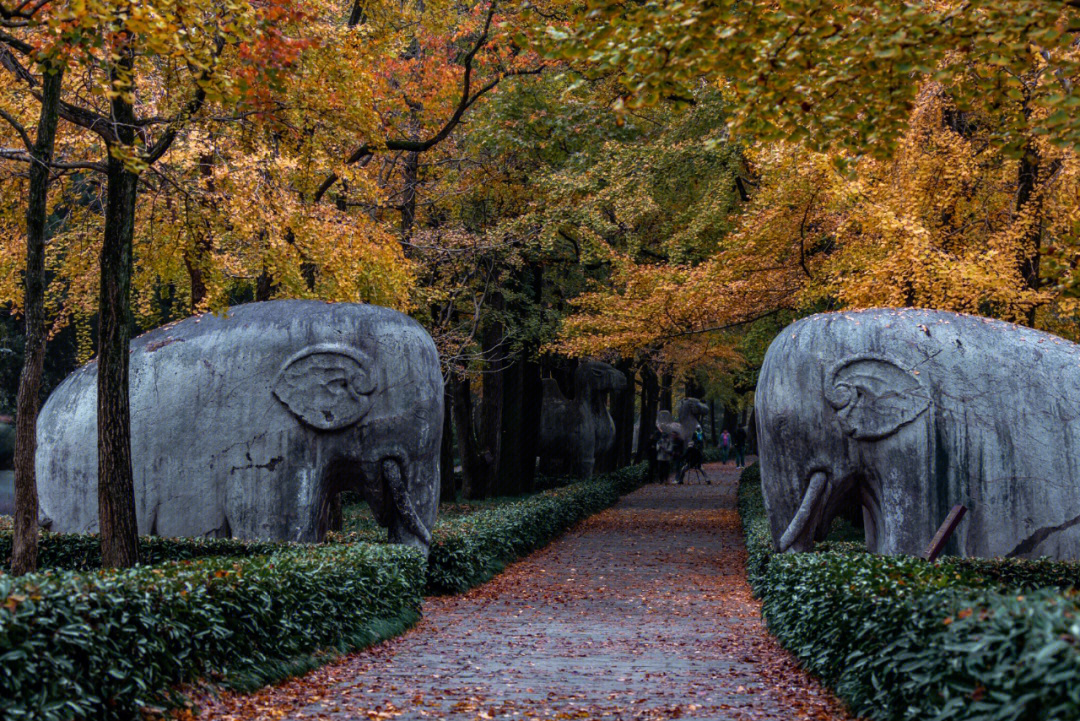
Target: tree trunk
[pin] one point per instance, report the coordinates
(24, 549)
(471, 470)
(264, 286)
(491, 408)
(195, 262)
(447, 492)
(712, 422)
(731, 420)
(197, 258)
(116, 488)
(532, 397)
(666, 392)
(623, 412)
(507, 480)
(650, 394)
(1029, 201)
(408, 203)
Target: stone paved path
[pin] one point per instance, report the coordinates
(641, 612)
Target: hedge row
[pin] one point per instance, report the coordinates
(898, 638)
(105, 644)
(82, 551)
(82, 643)
(469, 549)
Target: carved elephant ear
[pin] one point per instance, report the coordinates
(874, 397)
(327, 387)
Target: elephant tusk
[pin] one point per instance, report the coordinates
(399, 492)
(798, 524)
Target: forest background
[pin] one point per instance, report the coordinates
(661, 185)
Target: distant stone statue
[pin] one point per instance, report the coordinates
(573, 433)
(909, 412)
(7, 443)
(691, 411)
(247, 425)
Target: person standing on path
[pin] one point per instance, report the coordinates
(665, 451)
(678, 456)
(654, 445)
(740, 447)
(725, 446)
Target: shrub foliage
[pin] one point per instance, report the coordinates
(899, 638)
(82, 551)
(104, 644)
(80, 642)
(468, 549)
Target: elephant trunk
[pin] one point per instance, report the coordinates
(801, 524)
(395, 478)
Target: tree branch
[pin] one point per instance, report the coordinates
(22, 157)
(464, 103)
(719, 328)
(18, 129)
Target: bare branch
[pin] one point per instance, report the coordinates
(468, 97)
(13, 122)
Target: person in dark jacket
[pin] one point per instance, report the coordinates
(740, 447)
(665, 452)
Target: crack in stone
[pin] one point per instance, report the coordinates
(1028, 544)
(269, 465)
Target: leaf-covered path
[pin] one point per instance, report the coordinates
(640, 612)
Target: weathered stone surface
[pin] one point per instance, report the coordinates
(914, 411)
(573, 433)
(247, 425)
(691, 411)
(7, 493)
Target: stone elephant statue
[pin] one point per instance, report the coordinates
(573, 433)
(248, 425)
(691, 411)
(908, 412)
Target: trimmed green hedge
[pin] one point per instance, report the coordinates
(82, 551)
(898, 638)
(76, 642)
(104, 644)
(469, 549)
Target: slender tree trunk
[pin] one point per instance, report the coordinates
(116, 488)
(532, 397)
(264, 286)
(712, 422)
(195, 263)
(1030, 202)
(408, 204)
(508, 478)
(666, 384)
(491, 409)
(731, 420)
(447, 492)
(196, 259)
(623, 413)
(650, 395)
(24, 550)
(471, 470)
